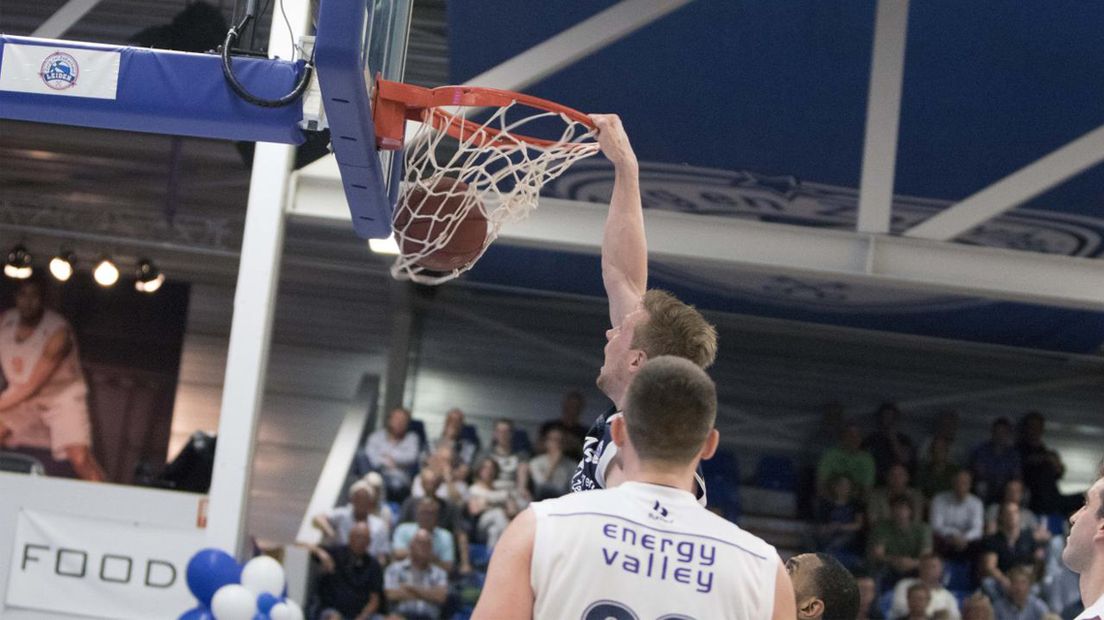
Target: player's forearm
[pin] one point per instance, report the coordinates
(624, 244)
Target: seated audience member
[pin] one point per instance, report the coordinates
(894, 547)
(427, 517)
(338, 522)
(462, 450)
(918, 599)
(381, 510)
(352, 580)
(1018, 603)
(1042, 469)
(823, 589)
(847, 459)
(888, 445)
(937, 470)
(1009, 547)
(393, 452)
(996, 461)
(1014, 492)
(896, 485)
(931, 576)
(450, 515)
(957, 519)
(569, 423)
(416, 586)
(513, 467)
(551, 471)
(490, 509)
(449, 487)
(868, 597)
(839, 521)
(977, 607)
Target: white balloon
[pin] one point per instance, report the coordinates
(286, 610)
(263, 574)
(234, 602)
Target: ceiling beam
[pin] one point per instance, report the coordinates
(63, 19)
(883, 113)
(575, 43)
(1014, 189)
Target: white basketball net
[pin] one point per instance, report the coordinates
(504, 176)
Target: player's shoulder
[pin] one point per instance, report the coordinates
(572, 503)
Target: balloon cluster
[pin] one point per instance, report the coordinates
(228, 591)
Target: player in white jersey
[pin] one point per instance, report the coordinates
(645, 550)
(1084, 551)
(44, 406)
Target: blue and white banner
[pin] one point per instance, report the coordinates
(59, 70)
(100, 568)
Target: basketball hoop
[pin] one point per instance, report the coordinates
(461, 172)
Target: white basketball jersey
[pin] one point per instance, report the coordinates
(646, 552)
(1094, 611)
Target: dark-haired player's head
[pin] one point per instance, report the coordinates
(823, 587)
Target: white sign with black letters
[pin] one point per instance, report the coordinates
(98, 567)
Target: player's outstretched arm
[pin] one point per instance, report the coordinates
(785, 602)
(624, 246)
(507, 593)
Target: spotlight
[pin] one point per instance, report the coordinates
(148, 278)
(106, 273)
(19, 263)
(62, 266)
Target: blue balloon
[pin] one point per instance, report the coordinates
(265, 602)
(261, 616)
(209, 570)
(199, 613)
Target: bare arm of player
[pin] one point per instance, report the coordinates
(785, 601)
(624, 246)
(57, 347)
(507, 593)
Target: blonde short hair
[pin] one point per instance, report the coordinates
(675, 328)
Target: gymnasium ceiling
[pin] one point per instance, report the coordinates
(767, 111)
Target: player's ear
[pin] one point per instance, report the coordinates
(638, 359)
(811, 607)
(618, 431)
(709, 448)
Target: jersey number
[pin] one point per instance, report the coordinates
(612, 610)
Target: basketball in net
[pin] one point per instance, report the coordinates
(476, 162)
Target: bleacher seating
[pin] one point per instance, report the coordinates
(776, 472)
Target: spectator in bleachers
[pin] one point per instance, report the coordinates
(918, 599)
(931, 576)
(1018, 603)
(868, 597)
(426, 517)
(996, 461)
(379, 489)
(848, 459)
(393, 451)
(489, 508)
(462, 449)
(823, 589)
(1042, 469)
(352, 580)
(896, 485)
(571, 411)
(337, 523)
(416, 586)
(1014, 492)
(894, 547)
(1009, 547)
(937, 469)
(957, 520)
(450, 513)
(977, 607)
(513, 466)
(888, 445)
(551, 470)
(839, 522)
(448, 487)
(944, 427)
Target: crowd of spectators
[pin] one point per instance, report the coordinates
(942, 532)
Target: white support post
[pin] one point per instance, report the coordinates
(63, 19)
(883, 112)
(1014, 189)
(251, 326)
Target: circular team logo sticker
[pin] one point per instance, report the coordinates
(59, 71)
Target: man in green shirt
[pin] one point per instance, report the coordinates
(847, 459)
(895, 546)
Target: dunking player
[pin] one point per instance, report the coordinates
(645, 323)
(43, 410)
(645, 549)
(1084, 552)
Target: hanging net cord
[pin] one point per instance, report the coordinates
(503, 174)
